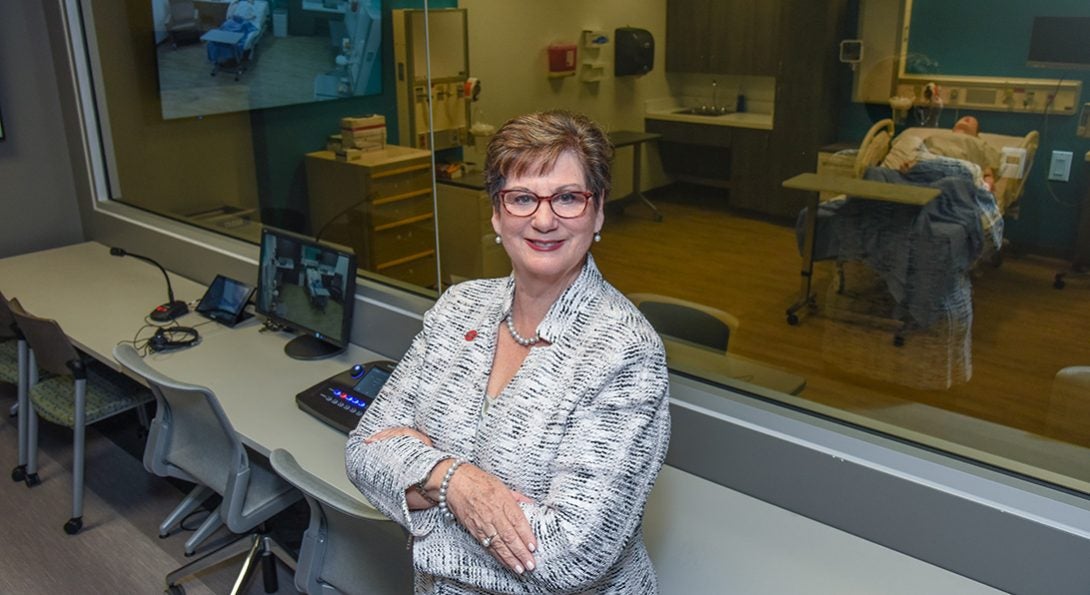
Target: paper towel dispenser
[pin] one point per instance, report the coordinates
(635, 51)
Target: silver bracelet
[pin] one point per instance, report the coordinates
(443, 510)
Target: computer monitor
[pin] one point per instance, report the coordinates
(308, 286)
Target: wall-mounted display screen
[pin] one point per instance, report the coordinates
(219, 56)
(1060, 42)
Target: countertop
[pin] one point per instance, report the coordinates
(737, 120)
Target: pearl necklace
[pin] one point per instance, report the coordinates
(525, 342)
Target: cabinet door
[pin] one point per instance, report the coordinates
(749, 182)
(745, 37)
(688, 35)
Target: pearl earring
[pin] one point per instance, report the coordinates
(499, 240)
(597, 236)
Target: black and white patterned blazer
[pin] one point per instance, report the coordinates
(582, 429)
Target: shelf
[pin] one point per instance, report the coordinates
(592, 71)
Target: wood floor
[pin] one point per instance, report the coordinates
(118, 550)
(1023, 332)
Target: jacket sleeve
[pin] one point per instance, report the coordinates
(383, 470)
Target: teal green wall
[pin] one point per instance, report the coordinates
(283, 135)
(991, 39)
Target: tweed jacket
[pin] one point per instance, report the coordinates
(582, 429)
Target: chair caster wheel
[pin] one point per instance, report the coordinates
(898, 341)
(175, 590)
(792, 319)
(73, 525)
(32, 480)
(18, 473)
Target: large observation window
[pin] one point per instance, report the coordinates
(998, 375)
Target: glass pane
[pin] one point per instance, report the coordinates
(958, 323)
(231, 116)
(907, 324)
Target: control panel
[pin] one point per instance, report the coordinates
(341, 400)
(1008, 95)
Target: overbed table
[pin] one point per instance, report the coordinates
(854, 187)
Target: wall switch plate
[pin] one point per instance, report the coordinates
(1060, 167)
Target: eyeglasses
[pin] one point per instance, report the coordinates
(566, 205)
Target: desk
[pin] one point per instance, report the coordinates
(729, 369)
(100, 300)
(624, 138)
(854, 187)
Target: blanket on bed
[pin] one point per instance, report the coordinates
(219, 53)
(921, 253)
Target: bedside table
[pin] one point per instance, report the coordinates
(833, 161)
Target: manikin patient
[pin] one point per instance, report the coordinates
(970, 126)
(242, 10)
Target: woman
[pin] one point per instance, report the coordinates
(519, 437)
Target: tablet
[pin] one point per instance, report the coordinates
(225, 301)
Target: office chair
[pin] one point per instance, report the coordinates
(687, 321)
(192, 438)
(183, 23)
(347, 547)
(79, 394)
(15, 345)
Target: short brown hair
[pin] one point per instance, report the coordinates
(531, 144)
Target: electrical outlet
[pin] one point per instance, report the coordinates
(1059, 169)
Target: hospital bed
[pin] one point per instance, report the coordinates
(936, 266)
(232, 45)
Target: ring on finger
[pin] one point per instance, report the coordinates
(487, 541)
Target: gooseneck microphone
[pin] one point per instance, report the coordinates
(164, 312)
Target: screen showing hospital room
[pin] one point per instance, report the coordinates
(219, 56)
(304, 285)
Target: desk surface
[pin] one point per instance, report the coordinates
(101, 300)
(623, 138)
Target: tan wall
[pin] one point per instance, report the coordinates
(507, 52)
(174, 166)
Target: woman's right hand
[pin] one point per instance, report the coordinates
(487, 508)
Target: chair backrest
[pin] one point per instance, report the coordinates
(191, 435)
(7, 321)
(694, 323)
(347, 547)
(52, 349)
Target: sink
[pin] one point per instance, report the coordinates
(704, 111)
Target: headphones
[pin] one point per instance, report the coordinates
(174, 337)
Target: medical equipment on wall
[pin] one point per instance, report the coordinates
(1084, 121)
(442, 55)
(1012, 163)
(900, 106)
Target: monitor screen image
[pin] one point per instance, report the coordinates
(220, 56)
(310, 287)
(1060, 42)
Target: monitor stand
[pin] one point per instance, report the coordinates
(308, 347)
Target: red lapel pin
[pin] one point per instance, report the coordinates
(471, 335)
